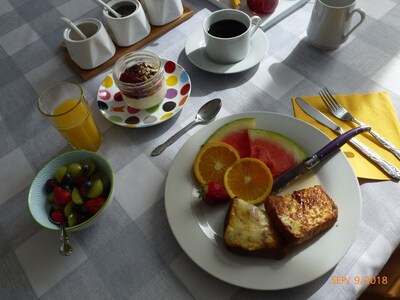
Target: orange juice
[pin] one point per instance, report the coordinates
(74, 120)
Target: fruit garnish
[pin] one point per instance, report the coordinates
(57, 216)
(60, 172)
(76, 197)
(74, 169)
(212, 161)
(96, 189)
(213, 193)
(235, 134)
(94, 205)
(248, 179)
(61, 196)
(138, 73)
(72, 219)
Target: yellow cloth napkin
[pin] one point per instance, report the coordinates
(375, 110)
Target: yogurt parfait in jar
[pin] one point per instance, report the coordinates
(140, 79)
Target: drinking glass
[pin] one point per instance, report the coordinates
(65, 106)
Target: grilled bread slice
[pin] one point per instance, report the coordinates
(248, 232)
(302, 214)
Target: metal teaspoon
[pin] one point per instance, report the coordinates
(65, 248)
(205, 114)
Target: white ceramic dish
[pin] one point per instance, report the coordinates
(114, 109)
(198, 228)
(196, 52)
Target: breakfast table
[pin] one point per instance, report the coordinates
(131, 252)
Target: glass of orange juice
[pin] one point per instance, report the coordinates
(65, 106)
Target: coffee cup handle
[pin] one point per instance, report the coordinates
(362, 15)
(254, 24)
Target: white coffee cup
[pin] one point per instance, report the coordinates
(130, 29)
(330, 23)
(227, 49)
(93, 51)
(161, 12)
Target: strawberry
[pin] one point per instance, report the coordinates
(213, 193)
(94, 205)
(61, 196)
(57, 216)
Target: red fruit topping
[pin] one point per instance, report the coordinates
(130, 77)
(57, 216)
(213, 193)
(94, 205)
(61, 197)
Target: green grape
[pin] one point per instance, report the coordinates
(96, 189)
(68, 209)
(75, 169)
(72, 219)
(76, 197)
(101, 175)
(60, 172)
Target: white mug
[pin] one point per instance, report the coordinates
(130, 29)
(330, 23)
(93, 51)
(161, 12)
(227, 49)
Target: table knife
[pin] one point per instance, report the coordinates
(387, 167)
(310, 162)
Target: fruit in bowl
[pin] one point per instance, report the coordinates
(75, 188)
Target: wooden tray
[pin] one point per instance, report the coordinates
(155, 32)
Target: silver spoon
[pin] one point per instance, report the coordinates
(73, 27)
(107, 7)
(65, 248)
(205, 114)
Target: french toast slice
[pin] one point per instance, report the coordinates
(303, 214)
(248, 232)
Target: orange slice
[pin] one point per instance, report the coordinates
(248, 179)
(212, 161)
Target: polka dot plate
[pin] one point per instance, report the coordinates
(114, 109)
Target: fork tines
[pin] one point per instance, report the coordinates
(328, 99)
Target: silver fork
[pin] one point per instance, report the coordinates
(341, 113)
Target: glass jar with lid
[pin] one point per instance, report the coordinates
(140, 78)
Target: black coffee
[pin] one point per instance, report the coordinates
(124, 10)
(227, 28)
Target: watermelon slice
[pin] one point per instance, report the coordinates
(235, 134)
(277, 151)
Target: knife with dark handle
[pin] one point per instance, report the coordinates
(311, 161)
(387, 167)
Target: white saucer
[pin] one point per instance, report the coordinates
(196, 52)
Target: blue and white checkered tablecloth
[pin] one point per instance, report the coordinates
(132, 252)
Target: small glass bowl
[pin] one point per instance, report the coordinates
(147, 93)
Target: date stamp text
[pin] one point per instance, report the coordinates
(367, 280)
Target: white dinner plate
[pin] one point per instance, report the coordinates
(198, 228)
(196, 52)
